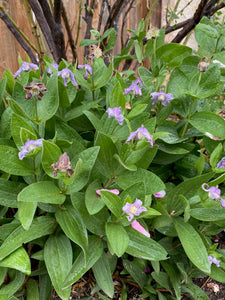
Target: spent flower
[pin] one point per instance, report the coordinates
(204, 65)
(134, 209)
(140, 134)
(26, 67)
(88, 69)
(63, 165)
(33, 89)
(161, 97)
(115, 112)
(29, 146)
(66, 73)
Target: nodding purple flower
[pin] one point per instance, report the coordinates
(221, 164)
(26, 67)
(137, 226)
(140, 134)
(160, 194)
(115, 191)
(135, 88)
(115, 112)
(162, 97)
(55, 65)
(66, 73)
(134, 209)
(88, 69)
(214, 192)
(29, 146)
(213, 260)
(63, 165)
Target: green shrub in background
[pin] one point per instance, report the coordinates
(98, 165)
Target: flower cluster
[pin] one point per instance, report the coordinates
(213, 260)
(214, 193)
(29, 146)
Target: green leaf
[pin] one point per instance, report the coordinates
(17, 123)
(136, 273)
(93, 202)
(117, 237)
(188, 188)
(103, 74)
(49, 103)
(209, 122)
(217, 273)
(146, 76)
(174, 276)
(138, 51)
(79, 110)
(88, 158)
(13, 165)
(41, 226)
(144, 247)
(73, 226)
(58, 257)
(13, 286)
(106, 163)
(26, 211)
(9, 191)
(208, 214)
(117, 98)
(163, 279)
(50, 155)
(10, 81)
(80, 265)
(215, 155)
(113, 202)
(18, 260)
(137, 110)
(192, 244)
(173, 54)
(152, 183)
(95, 33)
(43, 191)
(195, 291)
(129, 167)
(103, 275)
(88, 42)
(32, 290)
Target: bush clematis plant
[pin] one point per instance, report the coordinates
(92, 175)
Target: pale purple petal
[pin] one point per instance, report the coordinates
(221, 164)
(160, 194)
(115, 191)
(134, 209)
(66, 73)
(137, 226)
(213, 260)
(26, 67)
(140, 134)
(162, 97)
(214, 192)
(134, 88)
(115, 112)
(139, 81)
(29, 146)
(222, 201)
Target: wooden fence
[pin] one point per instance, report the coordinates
(10, 48)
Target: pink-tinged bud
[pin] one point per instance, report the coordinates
(160, 194)
(115, 191)
(137, 226)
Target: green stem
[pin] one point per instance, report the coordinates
(113, 177)
(147, 19)
(36, 112)
(35, 176)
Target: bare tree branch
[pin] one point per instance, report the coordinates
(57, 11)
(44, 27)
(88, 19)
(18, 37)
(113, 14)
(124, 22)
